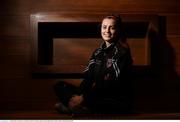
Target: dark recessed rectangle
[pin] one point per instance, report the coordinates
(69, 29)
(87, 29)
(49, 30)
(135, 29)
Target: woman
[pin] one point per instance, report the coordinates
(106, 87)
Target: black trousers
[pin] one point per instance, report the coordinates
(64, 91)
(97, 104)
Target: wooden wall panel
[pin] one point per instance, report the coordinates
(139, 52)
(14, 55)
(109, 5)
(14, 26)
(19, 91)
(26, 94)
(173, 26)
(125, 6)
(78, 53)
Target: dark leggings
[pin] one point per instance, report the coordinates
(65, 91)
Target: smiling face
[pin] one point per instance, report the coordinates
(109, 30)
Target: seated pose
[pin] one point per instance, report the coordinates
(106, 87)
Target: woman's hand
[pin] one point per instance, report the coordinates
(75, 101)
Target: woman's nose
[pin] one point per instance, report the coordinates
(107, 29)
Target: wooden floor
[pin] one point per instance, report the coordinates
(54, 115)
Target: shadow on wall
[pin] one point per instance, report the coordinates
(160, 92)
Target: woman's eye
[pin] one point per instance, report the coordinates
(113, 28)
(104, 27)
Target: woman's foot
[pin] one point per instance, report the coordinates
(62, 109)
(78, 110)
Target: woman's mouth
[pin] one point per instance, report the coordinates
(107, 35)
